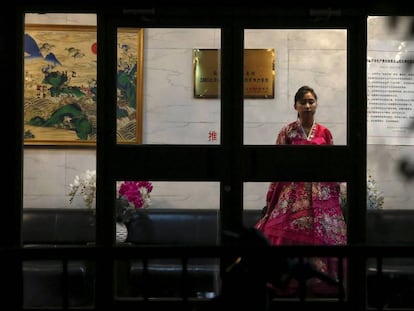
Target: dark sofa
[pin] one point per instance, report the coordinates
(178, 227)
(65, 227)
(43, 280)
(395, 287)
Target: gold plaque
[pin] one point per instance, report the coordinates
(259, 73)
(206, 73)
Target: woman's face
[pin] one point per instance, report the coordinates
(306, 106)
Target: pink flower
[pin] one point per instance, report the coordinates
(136, 193)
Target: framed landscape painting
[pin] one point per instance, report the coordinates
(60, 86)
(130, 53)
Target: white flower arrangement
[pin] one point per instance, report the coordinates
(375, 198)
(85, 184)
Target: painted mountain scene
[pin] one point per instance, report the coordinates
(60, 85)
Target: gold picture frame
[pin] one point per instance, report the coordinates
(60, 85)
(259, 73)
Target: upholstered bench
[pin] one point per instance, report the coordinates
(395, 287)
(43, 284)
(178, 227)
(63, 227)
(43, 280)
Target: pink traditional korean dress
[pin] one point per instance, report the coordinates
(305, 212)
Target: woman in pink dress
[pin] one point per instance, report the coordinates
(305, 212)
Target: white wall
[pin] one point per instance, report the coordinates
(172, 115)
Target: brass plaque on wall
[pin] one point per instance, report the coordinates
(259, 73)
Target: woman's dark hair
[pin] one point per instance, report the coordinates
(300, 93)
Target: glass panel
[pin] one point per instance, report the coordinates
(56, 83)
(390, 115)
(130, 44)
(165, 278)
(44, 284)
(60, 59)
(394, 278)
(390, 161)
(181, 89)
(173, 194)
(48, 174)
(316, 205)
(314, 57)
(169, 212)
(300, 213)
